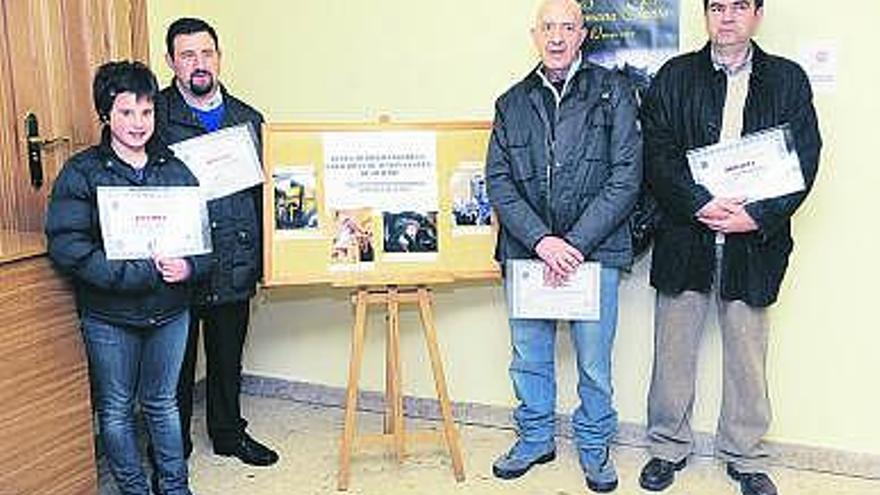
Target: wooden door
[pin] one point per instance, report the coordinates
(49, 50)
(39, 85)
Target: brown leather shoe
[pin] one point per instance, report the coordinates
(752, 483)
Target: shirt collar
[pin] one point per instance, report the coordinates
(745, 67)
(572, 69)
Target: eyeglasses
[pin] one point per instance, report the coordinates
(736, 8)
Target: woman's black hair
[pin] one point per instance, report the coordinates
(114, 78)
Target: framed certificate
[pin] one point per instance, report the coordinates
(225, 161)
(529, 297)
(757, 166)
(139, 222)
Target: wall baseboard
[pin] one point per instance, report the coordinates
(629, 434)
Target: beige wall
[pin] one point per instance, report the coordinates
(417, 59)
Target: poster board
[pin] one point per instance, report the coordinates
(372, 204)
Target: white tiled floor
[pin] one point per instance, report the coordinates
(307, 438)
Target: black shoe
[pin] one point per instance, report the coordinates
(752, 483)
(658, 474)
(187, 448)
(248, 451)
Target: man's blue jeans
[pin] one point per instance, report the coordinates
(122, 361)
(533, 372)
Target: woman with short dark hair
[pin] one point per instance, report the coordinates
(134, 313)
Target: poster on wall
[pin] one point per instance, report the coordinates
(634, 36)
(819, 60)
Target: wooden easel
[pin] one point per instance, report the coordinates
(394, 433)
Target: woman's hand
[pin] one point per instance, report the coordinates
(173, 270)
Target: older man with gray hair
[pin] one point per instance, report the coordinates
(563, 172)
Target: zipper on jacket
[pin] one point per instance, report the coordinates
(551, 129)
(551, 160)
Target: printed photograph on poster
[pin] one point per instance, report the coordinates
(352, 244)
(410, 235)
(471, 211)
(296, 203)
(634, 36)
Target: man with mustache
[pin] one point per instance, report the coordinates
(195, 103)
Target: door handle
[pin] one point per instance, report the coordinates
(35, 146)
(47, 142)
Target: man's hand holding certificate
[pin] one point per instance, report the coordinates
(145, 222)
(534, 295)
(754, 167)
(224, 161)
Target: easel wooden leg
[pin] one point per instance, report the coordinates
(354, 369)
(449, 430)
(396, 396)
(388, 419)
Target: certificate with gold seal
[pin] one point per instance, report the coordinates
(756, 166)
(140, 222)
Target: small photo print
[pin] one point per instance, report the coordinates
(296, 204)
(470, 202)
(353, 237)
(410, 232)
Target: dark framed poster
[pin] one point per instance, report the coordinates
(634, 36)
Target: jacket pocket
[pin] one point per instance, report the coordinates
(521, 165)
(594, 157)
(767, 263)
(244, 260)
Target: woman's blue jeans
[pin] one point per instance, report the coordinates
(122, 362)
(533, 372)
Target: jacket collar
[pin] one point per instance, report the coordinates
(759, 60)
(179, 112)
(585, 75)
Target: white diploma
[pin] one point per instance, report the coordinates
(224, 161)
(529, 297)
(139, 222)
(756, 166)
